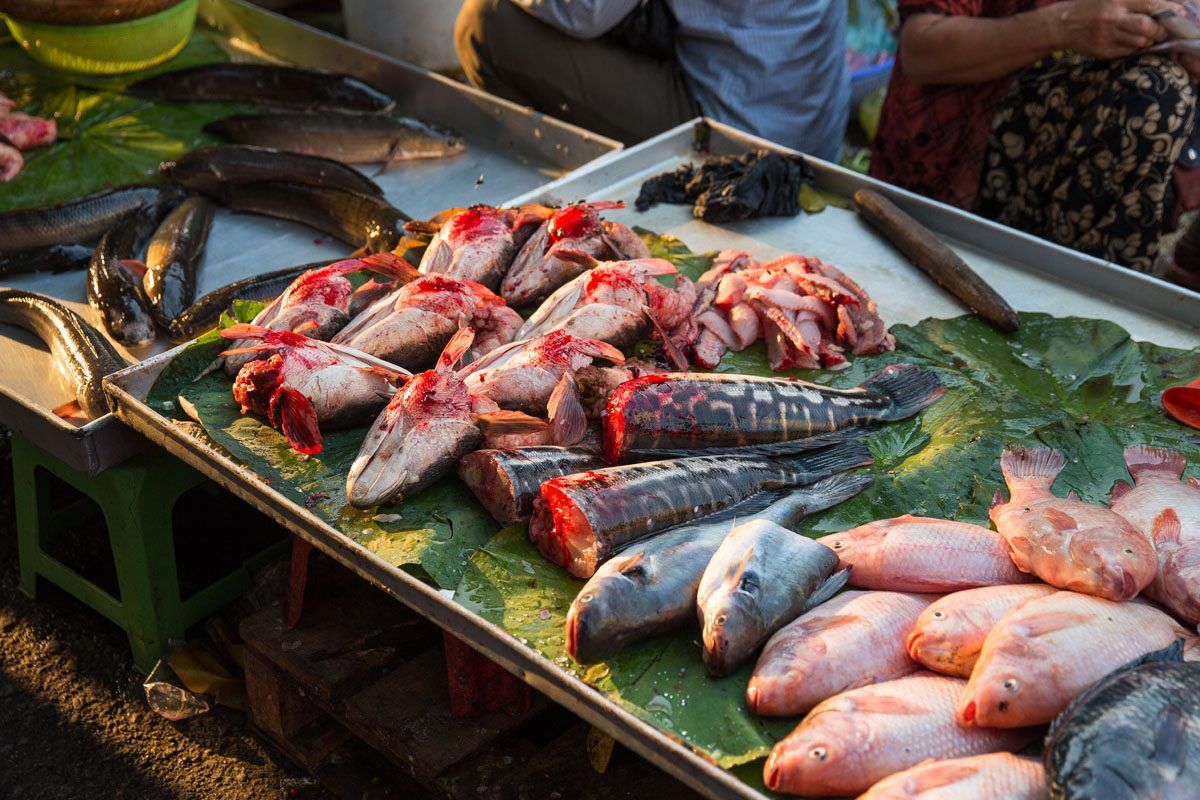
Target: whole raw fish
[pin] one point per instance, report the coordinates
(854, 739)
(506, 482)
(1166, 508)
(620, 302)
(761, 578)
(551, 257)
(317, 303)
(993, 776)
(173, 258)
(950, 633)
(920, 554)
(210, 169)
(422, 433)
(474, 244)
(650, 587)
(853, 640)
(703, 410)
(1047, 651)
(84, 220)
(1065, 542)
(580, 520)
(114, 281)
(411, 325)
(308, 384)
(1132, 735)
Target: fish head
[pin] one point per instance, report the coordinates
(948, 636)
(573, 222)
(611, 608)
(132, 329)
(1118, 560)
(826, 750)
(257, 382)
(857, 545)
(417, 439)
(314, 320)
(1000, 694)
(733, 625)
(425, 140)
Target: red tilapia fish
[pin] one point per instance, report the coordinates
(308, 384)
(809, 313)
(317, 304)
(1048, 650)
(411, 325)
(477, 243)
(620, 302)
(992, 776)
(920, 554)
(699, 411)
(856, 738)
(423, 432)
(551, 257)
(1066, 542)
(1165, 506)
(537, 375)
(580, 520)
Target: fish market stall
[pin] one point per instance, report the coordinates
(1097, 344)
(510, 149)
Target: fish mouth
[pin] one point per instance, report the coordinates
(752, 696)
(914, 644)
(773, 771)
(573, 637)
(969, 712)
(371, 482)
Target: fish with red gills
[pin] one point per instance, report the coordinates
(477, 243)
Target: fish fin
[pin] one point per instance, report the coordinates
(1172, 653)
(496, 423)
(69, 410)
(1171, 741)
(247, 350)
(832, 585)
(1053, 621)
(998, 499)
(1038, 466)
(673, 352)
(1018, 549)
(882, 704)
(909, 388)
(633, 564)
(1166, 527)
(585, 260)
(1119, 490)
(297, 420)
(427, 227)
(1193, 481)
(136, 268)
(1141, 459)
(392, 265)
(1061, 521)
(833, 460)
(568, 423)
(245, 330)
(392, 376)
(739, 577)
(304, 327)
(938, 775)
(814, 626)
(605, 205)
(532, 213)
(455, 349)
(598, 349)
(752, 505)
(1073, 495)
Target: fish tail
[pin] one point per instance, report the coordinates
(833, 460)
(1141, 459)
(908, 387)
(1037, 466)
(829, 492)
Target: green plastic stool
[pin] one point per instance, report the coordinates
(136, 500)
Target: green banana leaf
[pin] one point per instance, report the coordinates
(1081, 385)
(106, 138)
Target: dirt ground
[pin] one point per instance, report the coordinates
(74, 721)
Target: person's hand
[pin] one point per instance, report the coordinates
(1191, 63)
(1110, 28)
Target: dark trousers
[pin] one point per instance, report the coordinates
(596, 84)
(1082, 151)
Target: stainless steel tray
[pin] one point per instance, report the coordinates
(1031, 273)
(837, 235)
(513, 150)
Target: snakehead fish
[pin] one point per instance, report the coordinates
(173, 258)
(209, 169)
(698, 411)
(84, 220)
(506, 482)
(579, 521)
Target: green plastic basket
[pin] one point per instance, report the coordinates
(112, 48)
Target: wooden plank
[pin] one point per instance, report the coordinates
(276, 704)
(406, 715)
(349, 635)
(356, 772)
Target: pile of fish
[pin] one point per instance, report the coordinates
(809, 313)
(956, 646)
(20, 132)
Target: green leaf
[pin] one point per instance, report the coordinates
(106, 138)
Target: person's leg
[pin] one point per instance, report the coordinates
(1082, 152)
(595, 84)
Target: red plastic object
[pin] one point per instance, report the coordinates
(478, 685)
(1182, 403)
(293, 604)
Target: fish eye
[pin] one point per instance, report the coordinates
(818, 753)
(1011, 684)
(721, 618)
(939, 615)
(1128, 551)
(587, 598)
(838, 545)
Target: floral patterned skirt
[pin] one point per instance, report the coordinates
(1081, 153)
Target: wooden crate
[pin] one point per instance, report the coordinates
(358, 695)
